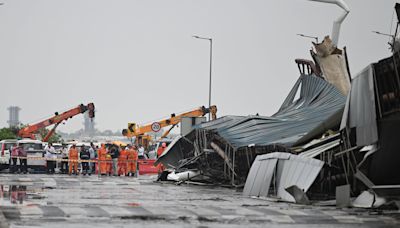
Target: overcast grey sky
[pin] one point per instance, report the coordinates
(137, 60)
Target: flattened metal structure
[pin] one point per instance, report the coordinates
(311, 108)
(318, 101)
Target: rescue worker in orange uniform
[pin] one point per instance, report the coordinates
(102, 158)
(122, 162)
(73, 157)
(160, 150)
(109, 162)
(132, 160)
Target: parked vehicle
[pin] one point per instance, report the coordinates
(58, 147)
(5, 152)
(34, 148)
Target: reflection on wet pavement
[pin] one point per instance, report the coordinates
(64, 201)
(18, 194)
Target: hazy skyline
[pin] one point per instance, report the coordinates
(137, 60)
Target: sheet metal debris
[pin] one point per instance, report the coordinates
(368, 199)
(284, 170)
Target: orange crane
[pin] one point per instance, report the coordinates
(139, 132)
(30, 130)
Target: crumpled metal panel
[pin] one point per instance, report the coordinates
(360, 111)
(312, 153)
(318, 101)
(299, 171)
(289, 170)
(259, 178)
(174, 152)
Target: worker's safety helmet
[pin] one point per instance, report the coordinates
(164, 144)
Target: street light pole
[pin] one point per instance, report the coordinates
(209, 87)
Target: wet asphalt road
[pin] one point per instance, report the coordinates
(39, 200)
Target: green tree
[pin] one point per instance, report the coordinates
(7, 133)
(55, 138)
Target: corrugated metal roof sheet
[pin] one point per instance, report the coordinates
(290, 170)
(360, 111)
(312, 153)
(318, 101)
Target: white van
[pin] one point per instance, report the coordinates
(5, 152)
(34, 148)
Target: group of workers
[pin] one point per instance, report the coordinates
(111, 160)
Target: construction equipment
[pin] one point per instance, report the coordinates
(140, 131)
(30, 130)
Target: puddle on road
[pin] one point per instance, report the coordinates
(19, 194)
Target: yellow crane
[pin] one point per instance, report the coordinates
(140, 131)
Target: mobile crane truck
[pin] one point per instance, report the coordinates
(141, 138)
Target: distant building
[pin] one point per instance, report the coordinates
(13, 119)
(88, 123)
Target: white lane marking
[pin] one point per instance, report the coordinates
(280, 218)
(49, 182)
(347, 219)
(291, 212)
(204, 212)
(247, 212)
(25, 179)
(74, 211)
(31, 210)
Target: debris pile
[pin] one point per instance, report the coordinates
(224, 149)
(319, 145)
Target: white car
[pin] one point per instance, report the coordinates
(5, 152)
(34, 148)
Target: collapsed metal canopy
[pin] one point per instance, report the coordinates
(224, 149)
(311, 102)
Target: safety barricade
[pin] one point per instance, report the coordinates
(95, 161)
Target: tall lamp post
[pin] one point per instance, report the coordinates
(209, 87)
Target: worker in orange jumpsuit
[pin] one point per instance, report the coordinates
(132, 160)
(109, 163)
(102, 159)
(122, 162)
(160, 150)
(73, 160)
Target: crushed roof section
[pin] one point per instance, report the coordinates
(300, 113)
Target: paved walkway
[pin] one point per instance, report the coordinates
(68, 201)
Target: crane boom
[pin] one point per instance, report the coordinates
(173, 120)
(30, 130)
